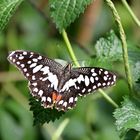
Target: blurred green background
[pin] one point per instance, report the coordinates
(92, 118)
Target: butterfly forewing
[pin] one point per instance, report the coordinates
(33, 65)
(57, 86)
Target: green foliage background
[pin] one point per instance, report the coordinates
(94, 118)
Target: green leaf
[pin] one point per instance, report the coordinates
(64, 12)
(42, 115)
(133, 52)
(136, 71)
(128, 116)
(109, 48)
(136, 75)
(7, 9)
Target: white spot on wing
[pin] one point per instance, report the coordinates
(29, 62)
(49, 99)
(92, 70)
(45, 70)
(105, 78)
(24, 53)
(89, 90)
(12, 53)
(18, 62)
(68, 84)
(43, 99)
(94, 87)
(86, 80)
(105, 72)
(75, 99)
(10, 58)
(25, 70)
(44, 79)
(40, 57)
(108, 83)
(96, 78)
(99, 84)
(35, 90)
(92, 79)
(94, 74)
(22, 65)
(80, 78)
(83, 90)
(104, 84)
(34, 84)
(37, 68)
(33, 77)
(40, 93)
(112, 83)
(100, 72)
(114, 77)
(60, 102)
(31, 55)
(71, 100)
(53, 79)
(33, 65)
(21, 57)
(65, 104)
(35, 60)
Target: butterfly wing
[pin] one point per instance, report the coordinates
(42, 73)
(86, 79)
(83, 81)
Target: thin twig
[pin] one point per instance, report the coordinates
(73, 57)
(108, 98)
(136, 20)
(60, 129)
(124, 43)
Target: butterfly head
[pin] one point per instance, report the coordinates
(67, 70)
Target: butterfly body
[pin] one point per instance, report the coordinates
(58, 86)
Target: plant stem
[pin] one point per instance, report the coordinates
(64, 34)
(72, 55)
(124, 44)
(60, 129)
(108, 98)
(136, 20)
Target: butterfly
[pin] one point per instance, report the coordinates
(56, 85)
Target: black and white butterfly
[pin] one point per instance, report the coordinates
(58, 86)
